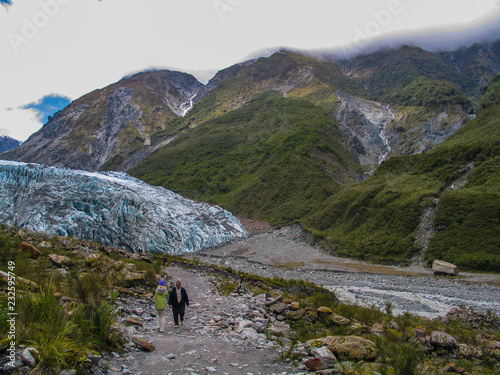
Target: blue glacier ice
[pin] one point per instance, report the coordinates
(111, 209)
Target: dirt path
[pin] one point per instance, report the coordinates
(194, 349)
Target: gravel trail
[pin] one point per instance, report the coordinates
(197, 349)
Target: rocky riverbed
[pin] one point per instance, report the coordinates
(285, 253)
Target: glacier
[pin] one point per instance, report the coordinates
(110, 208)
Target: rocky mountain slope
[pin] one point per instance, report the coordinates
(426, 97)
(458, 180)
(112, 128)
(111, 209)
(259, 160)
(7, 143)
(481, 61)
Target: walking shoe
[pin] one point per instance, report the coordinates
(176, 326)
(182, 323)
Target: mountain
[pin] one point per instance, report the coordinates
(362, 152)
(392, 102)
(112, 209)
(216, 159)
(274, 158)
(7, 143)
(480, 62)
(112, 128)
(443, 204)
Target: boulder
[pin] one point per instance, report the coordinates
(469, 352)
(131, 321)
(270, 301)
(339, 320)
(349, 348)
(440, 267)
(295, 315)
(59, 260)
(143, 344)
(278, 329)
(322, 352)
(295, 305)
(443, 340)
(324, 310)
(132, 279)
(279, 307)
(243, 324)
(251, 335)
(356, 327)
(321, 363)
(29, 356)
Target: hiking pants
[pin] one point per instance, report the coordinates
(178, 311)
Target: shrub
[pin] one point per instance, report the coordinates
(94, 314)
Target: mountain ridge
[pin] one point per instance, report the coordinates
(7, 143)
(147, 117)
(115, 122)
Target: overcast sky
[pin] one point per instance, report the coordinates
(54, 51)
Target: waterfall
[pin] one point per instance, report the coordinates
(190, 105)
(383, 135)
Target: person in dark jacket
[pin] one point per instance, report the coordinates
(177, 301)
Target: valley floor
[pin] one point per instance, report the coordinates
(283, 253)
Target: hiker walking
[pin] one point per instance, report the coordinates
(177, 301)
(161, 304)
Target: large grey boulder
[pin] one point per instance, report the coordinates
(440, 267)
(443, 340)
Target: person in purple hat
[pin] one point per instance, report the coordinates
(161, 304)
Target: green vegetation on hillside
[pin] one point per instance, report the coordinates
(374, 220)
(273, 159)
(412, 76)
(377, 218)
(470, 217)
(66, 330)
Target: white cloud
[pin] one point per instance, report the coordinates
(75, 46)
(18, 123)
